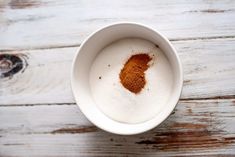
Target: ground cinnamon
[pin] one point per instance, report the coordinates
(132, 75)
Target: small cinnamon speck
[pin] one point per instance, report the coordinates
(109, 65)
(156, 46)
(100, 77)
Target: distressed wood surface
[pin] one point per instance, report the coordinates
(27, 24)
(63, 131)
(45, 76)
(38, 115)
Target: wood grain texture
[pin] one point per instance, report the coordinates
(38, 115)
(45, 79)
(27, 24)
(209, 72)
(203, 127)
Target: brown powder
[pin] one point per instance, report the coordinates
(132, 75)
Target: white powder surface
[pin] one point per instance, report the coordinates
(116, 101)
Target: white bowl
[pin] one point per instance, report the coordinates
(87, 54)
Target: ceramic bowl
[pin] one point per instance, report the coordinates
(87, 53)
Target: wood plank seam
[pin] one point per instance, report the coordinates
(228, 97)
(78, 45)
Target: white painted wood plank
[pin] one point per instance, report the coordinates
(45, 79)
(73, 145)
(188, 115)
(195, 128)
(209, 67)
(209, 71)
(50, 23)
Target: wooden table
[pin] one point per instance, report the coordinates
(38, 115)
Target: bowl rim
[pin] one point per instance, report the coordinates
(177, 95)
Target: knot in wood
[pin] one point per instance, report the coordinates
(10, 64)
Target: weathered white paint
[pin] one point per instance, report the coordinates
(98, 144)
(196, 128)
(209, 71)
(51, 23)
(199, 127)
(45, 79)
(47, 118)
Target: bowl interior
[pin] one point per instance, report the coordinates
(87, 54)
